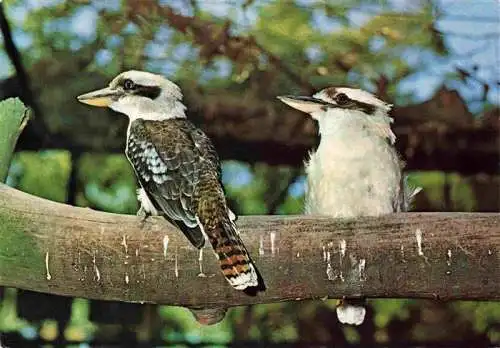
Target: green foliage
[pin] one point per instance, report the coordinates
(390, 309)
(435, 187)
(182, 327)
(276, 23)
(43, 174)
(483, 316)
(80, 328)
(9, 321)
(108, 183)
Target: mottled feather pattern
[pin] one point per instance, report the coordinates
(234, 260)
(179, 169)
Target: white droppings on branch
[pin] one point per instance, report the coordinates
(49, 277)
(361, 270)
(298, 254)
(343, 248)
(127, 279)
(324, 253)
(490, 252)
(403, 253)
(330, 273)
(419, 237)
(200, 264)
(165, 246)
(82, 278)
(176, 265)
(261, 245)
(448, 257)
(124, 243)
(137, 252)
(273, 239)
(96, 270)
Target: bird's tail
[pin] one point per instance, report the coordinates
(409, 192)
(351, 311)
(235, 262)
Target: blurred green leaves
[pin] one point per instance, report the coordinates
(108, 183)
(43, 174)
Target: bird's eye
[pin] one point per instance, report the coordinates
(341, 99)
(128, 85)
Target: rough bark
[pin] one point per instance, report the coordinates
(54, 248)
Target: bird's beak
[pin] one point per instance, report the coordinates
(305, 104)
(102, 97)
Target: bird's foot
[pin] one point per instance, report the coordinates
(143, 214)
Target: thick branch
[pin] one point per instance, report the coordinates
(55, 248)
(13, 118)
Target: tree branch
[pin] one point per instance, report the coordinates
(55, 248)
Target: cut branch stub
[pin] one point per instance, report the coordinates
(208, 316)
(13, 118)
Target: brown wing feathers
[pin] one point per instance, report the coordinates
(178, 168)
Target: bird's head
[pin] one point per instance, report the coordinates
(340, 108)
(139, 94)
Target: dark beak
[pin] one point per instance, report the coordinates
(305, 104)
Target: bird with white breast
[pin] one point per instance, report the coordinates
(356, 170)
(177, 168)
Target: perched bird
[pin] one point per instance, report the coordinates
(177, 168)
(356, 170)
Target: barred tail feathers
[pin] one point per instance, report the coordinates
(234, 260)
(351, 315)
(351, 311)
(219, 228)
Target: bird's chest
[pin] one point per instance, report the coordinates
(352, 177)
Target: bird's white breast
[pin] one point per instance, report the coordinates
(353, 173)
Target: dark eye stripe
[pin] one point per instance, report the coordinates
(352, 104)
(151, 92)
(368, 109)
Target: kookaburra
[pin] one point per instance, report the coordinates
(177, 168)
(356, 170)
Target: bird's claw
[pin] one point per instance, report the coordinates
(143, 214)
